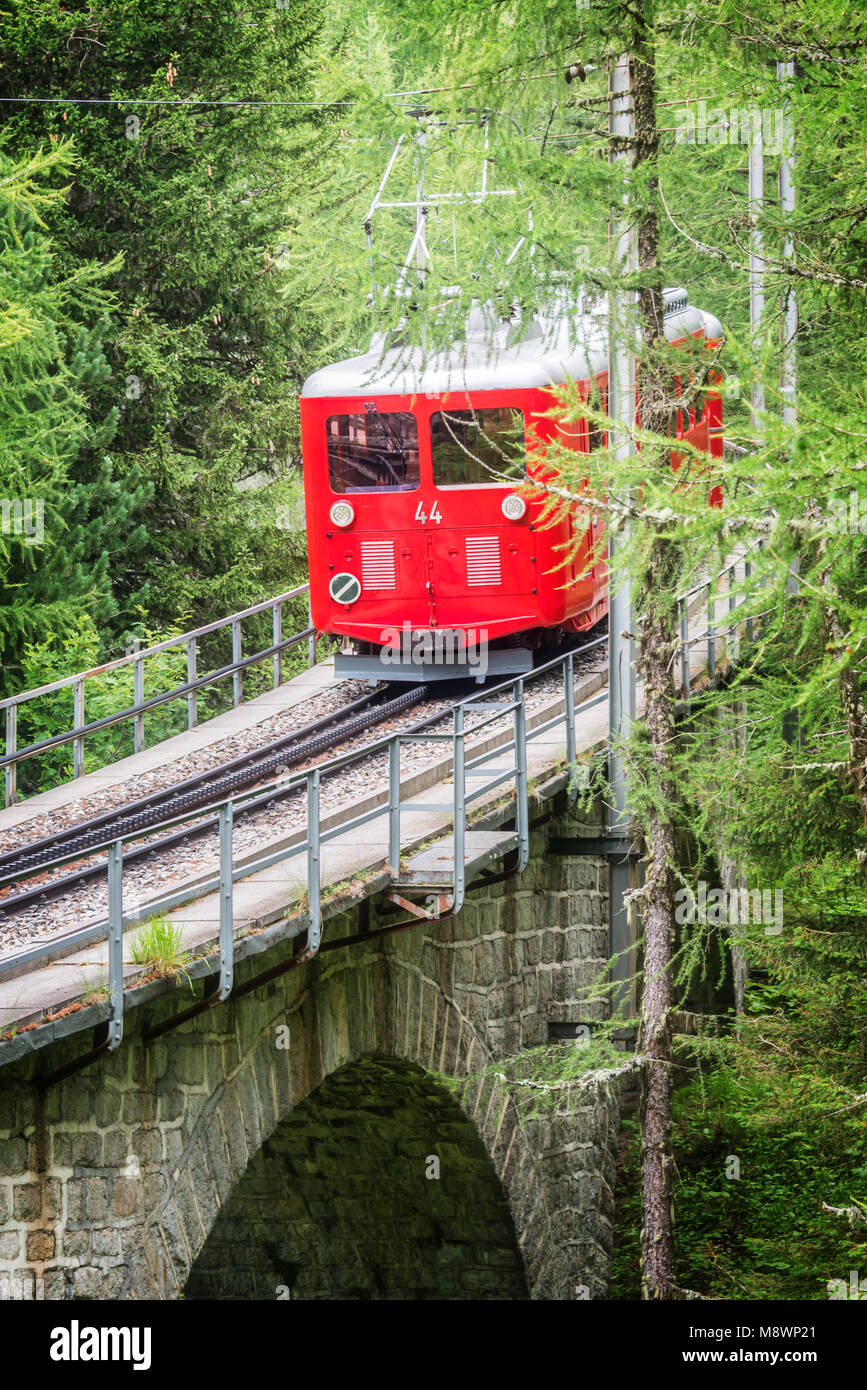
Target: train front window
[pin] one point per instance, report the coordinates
(476, 447)
(373, 452)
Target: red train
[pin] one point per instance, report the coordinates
(425, 563)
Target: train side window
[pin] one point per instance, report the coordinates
(596, 437)
(475, 448)
(373, 452)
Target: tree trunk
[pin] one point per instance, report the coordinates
(659, 636)
(655, 665)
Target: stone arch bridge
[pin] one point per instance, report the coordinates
(337, 1130)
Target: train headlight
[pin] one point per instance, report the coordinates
(514, 507)
(342, 514)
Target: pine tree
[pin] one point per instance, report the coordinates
(206, 350)
(66, 515)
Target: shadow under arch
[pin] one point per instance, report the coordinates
(341, 1201)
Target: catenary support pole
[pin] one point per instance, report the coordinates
(789, 306)
(756, 193)
(621, 408)
(421, 210)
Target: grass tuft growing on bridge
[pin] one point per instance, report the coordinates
(158, 945)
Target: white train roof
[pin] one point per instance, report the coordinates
(562, 344)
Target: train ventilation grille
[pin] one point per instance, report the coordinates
(377, 565)
(483, 561)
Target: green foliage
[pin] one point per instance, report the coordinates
(548, 1078)
(763, 773)
(762, 1235)
(94, 988)
(785, 1094)
(66, 516)
(206, 351)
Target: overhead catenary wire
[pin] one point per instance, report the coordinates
(120, 102)
(317, 103)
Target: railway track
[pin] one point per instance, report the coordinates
(258, 765)
(291, 750)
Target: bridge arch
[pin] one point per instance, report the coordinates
(384, 1015)
(376, 1186)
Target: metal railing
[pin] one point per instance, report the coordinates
(714, 633)
(13, 755)
(464, 768)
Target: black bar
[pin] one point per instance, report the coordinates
(606, 847)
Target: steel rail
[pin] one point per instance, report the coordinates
(60, 946)
(243, 806)
(46, 892)
(153, 799)
(197, 792)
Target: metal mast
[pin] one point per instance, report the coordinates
(757, 268)
(789, 366)
(421, 209)
(621, 409)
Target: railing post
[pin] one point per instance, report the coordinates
(711, 639)
(569, 702)
(460, 808)
(394, 805)
(276, 639)
(522, 810)
(747, 573)
(115, 943)
(793, 585)
(237, 676)
(226, 903)
(11, 747)
(138, 699)
(192, 675)
(77, 723)
(313, 882)
(684, 648)
(311, 640)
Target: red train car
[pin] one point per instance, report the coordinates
(425, 562)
